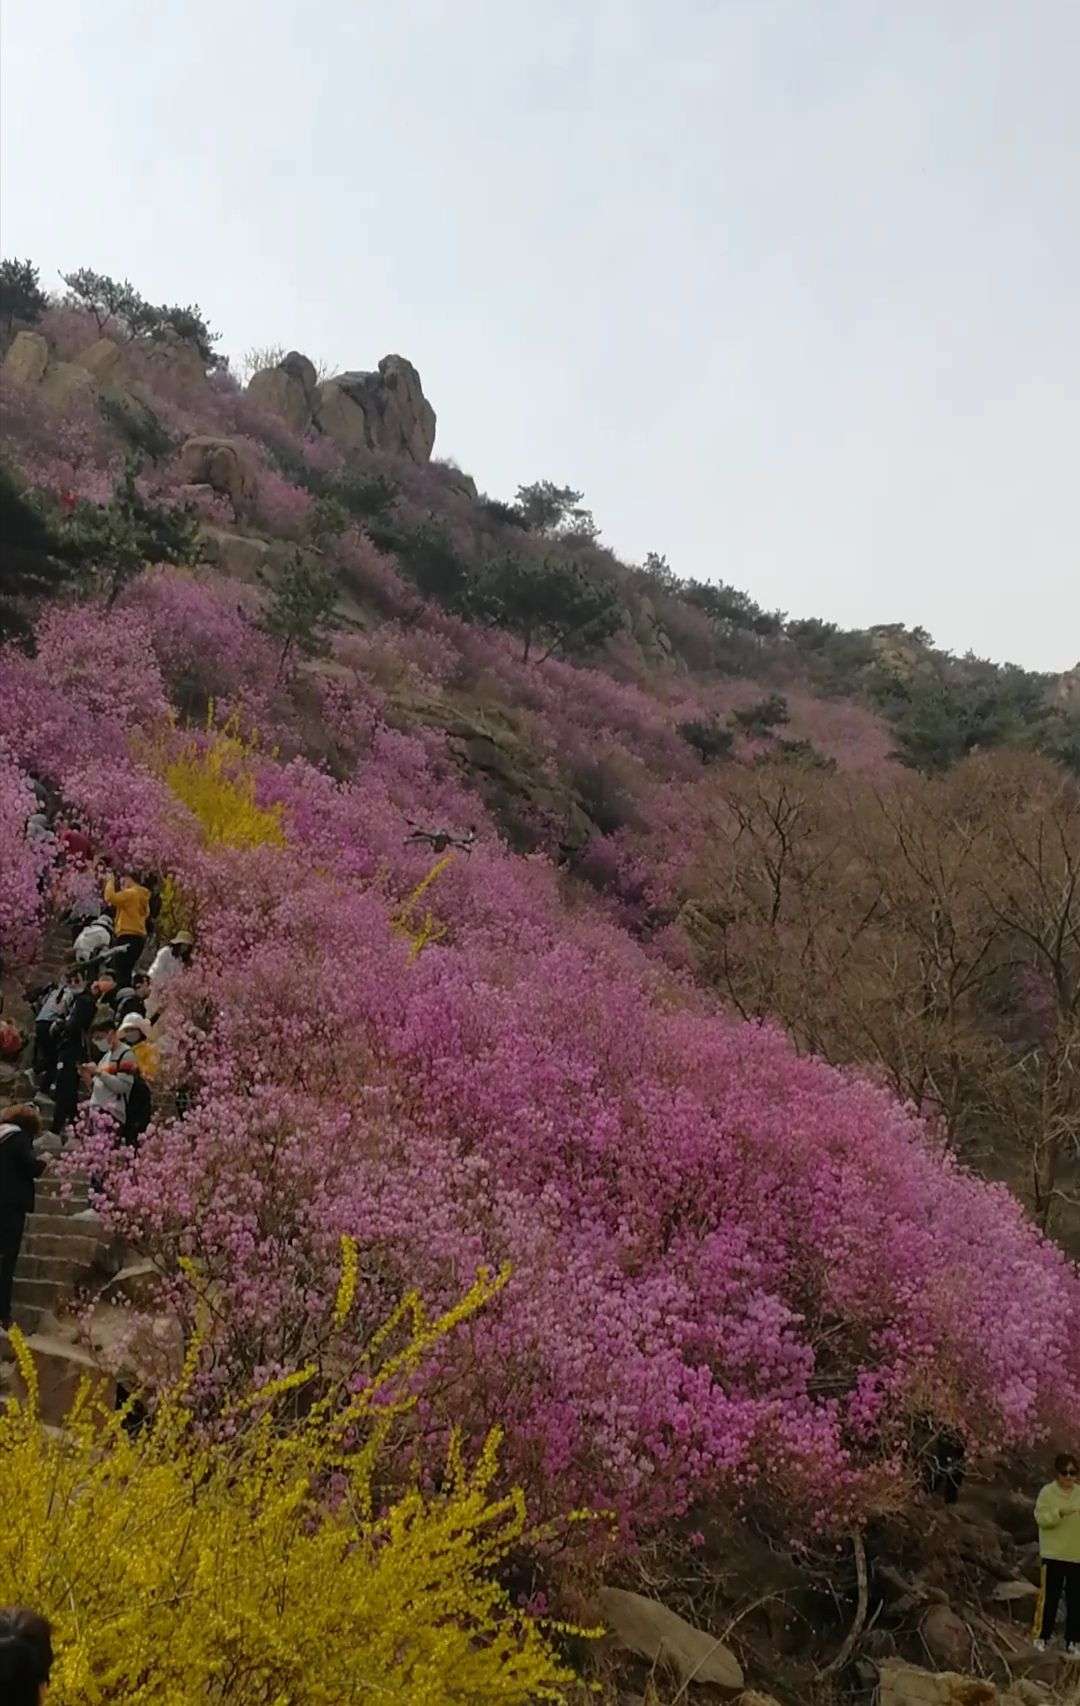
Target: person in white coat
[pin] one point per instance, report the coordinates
(168, 963)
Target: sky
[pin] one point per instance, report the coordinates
(788, 288)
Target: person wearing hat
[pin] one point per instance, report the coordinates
(133, 1000)
(169, 962)
(134, 1031)
(110, 1077)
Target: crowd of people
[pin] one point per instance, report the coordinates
(98, 1027)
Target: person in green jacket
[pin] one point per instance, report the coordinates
(1057, 1512)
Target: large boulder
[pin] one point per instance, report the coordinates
(288, 389)
(174, 356)
(224, 465)
(384, 411)
(102, 361)
(27, 359)
(646, 1627)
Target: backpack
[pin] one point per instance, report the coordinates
(11, 1041)
(140, 1109)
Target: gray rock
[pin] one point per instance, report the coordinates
(384, 411)
(947, 1637)
(102, 361)
(223, 464)
(287, 390)
(646, 1627)
(27, 359)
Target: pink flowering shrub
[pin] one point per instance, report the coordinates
(734, 1270)
(69, 456)
(23, 865)
(737, 1274)
(107, 666)
(203, 636)
(282, 508)
(726, 1260)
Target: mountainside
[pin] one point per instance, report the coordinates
(683, 965)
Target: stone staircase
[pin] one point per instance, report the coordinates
(64, 1248)
(65, 1253)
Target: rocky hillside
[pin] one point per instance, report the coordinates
(679, 967)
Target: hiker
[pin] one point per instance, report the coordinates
(93, 940)
(77, 845)
(37, 829)
(73, 1030)
(134, 1033)
(134, 1000)
(131, 903)
(1057, 1512)
(12, 1041)
(19, 1169)
(26, 1656)
(168, 963)
(112, 1075)
(52, 1005)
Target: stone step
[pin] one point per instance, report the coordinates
(69, 1246)
(48, 1202)
(29, 1317)
(64, 1266)
(63, 1223)
(49, 1294)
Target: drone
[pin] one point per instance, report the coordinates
(439, 839)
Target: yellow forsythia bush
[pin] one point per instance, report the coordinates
(261, 1571)
(215, 782)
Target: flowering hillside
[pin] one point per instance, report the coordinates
(724, 1257)
(740, 1277)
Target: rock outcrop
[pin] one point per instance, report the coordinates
(383, 411)
(224, 465)
(27, 359)
(103, 361)
(288, 389)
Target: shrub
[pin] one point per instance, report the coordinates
(802, 752)
(551, 602)
(22, 299)
(300, 610)
(364, 496)
(111, 544)
(282, 508)
(710, 740)
(28, 544)
(763, 716)
(547, 508)
(22, 865)
(429, 558)
(280, 1564)
(138, 426)
(214, 780)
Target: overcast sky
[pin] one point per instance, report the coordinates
(789, 288)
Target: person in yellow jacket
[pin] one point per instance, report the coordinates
(1057, 1512)
(131, 903)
